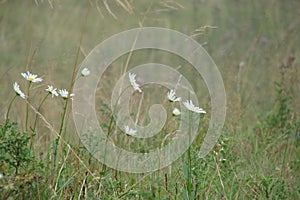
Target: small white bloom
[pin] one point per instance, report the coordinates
(18, 91)
(172, 96)
(85, 72)
(31, 77)
(176, 112)
(130, 131)
(64, 94)
(190, 106)
(1, 176)
(52, 90)
(133, 82)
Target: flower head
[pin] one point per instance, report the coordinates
(52, 90)
(176, 112)
(130, 131)
(31, 77)
(172, 96)
(64, 94)
(18, 91)
(85, 72)
(133, 82)
(190, 106)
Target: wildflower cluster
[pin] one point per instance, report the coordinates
(171, 95)
(54, 92)
(188, 103)
(33, 78)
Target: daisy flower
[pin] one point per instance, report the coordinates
(130, 131)
(190, 106)
(52, 90)
(172, 96)
(176, 112)
(133, 83)
(31, 77)
(64, 94)
(18, 91)
(85, 72)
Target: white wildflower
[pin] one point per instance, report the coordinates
(31, 77)
(52, 90)
(190, 106)
(130, 131)
(172, 96)
(64, 94)
(176, 112)
(18, 91)
(85, 72)
(133, 82)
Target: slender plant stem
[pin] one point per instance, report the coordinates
(60, 131)
(111, 123)
(189, 156)
(139, 109)
(39, 108)
(27, 106)
(9, 107)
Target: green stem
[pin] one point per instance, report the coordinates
(63, 116)
(110, 125)
(9, 107)
(189, 157)
(27, 107)
(60, 131)
(36, 116)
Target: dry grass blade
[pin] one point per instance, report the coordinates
(125, 7)
(60, 170)
(50, 3)
(82, 51)
(202, 29)
(129, 6)
(109, 10)
(171, 5)
(99, 9)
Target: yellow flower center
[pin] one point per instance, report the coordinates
(31, 78)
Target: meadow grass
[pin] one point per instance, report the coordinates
(255, 44)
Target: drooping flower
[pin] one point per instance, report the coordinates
(172, 96)
(133, 82)
(176, 112)
(18, 91)
(52, 90)
(130, 131)
(64, 94)
(190, 106)
(31, 77)
(85, 72)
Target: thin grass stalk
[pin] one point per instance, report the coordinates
(27, 107)
(8, 110)
(39, 108)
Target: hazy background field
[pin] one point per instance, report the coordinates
(250, 42)
(262, 35)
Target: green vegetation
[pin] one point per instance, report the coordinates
(255, 45)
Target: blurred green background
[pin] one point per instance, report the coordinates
(248, 40)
